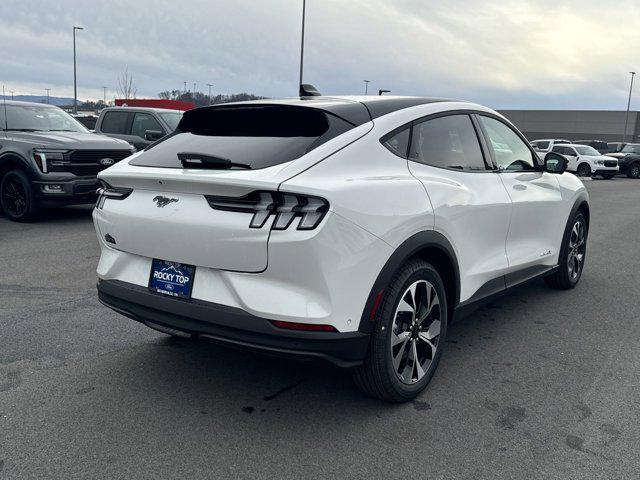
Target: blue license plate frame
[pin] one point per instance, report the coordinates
(172, 279)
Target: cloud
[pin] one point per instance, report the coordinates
(509, 53)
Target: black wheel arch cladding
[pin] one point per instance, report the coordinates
(428, 245)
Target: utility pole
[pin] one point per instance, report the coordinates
(209, 85)
(626, 118)
(185, 88)
(304, 5)
(75, 84)
(366, 86)
(104, 95)
(11, 92)
(48, 90)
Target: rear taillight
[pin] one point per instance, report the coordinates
(106, 191)
(285, 206)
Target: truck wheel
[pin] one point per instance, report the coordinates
(17, 197)
(584, 170)
(408, 337)
(634, 170)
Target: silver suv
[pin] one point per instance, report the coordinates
(47, 158)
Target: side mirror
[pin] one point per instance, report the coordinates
(555, 163)
(153, 135)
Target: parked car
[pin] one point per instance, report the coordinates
(544, 146)
(629, 160)
(382, 219)
(47, 158)
(600, 145)
(140, 126)
(586, 161)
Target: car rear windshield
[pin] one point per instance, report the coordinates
(257, 136)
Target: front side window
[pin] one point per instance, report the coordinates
(143, 122)
(542, 145)
(587, 151)
(631, 148)
(447, 142)
(172, 119)
(115, 122)
(510, 151)
(40, 118)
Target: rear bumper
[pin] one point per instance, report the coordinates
(230, 325)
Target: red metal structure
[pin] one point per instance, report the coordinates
(155, 103)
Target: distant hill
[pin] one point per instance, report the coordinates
(42, 99)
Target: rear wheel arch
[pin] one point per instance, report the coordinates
(429, 245)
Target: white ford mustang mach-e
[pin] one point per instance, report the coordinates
(348, 229)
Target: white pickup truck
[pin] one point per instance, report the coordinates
(545, 145)
(586, 161)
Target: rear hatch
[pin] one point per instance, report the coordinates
(231, 156)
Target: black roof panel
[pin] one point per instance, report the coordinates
(355, 110)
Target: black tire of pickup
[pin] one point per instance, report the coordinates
(17, 197)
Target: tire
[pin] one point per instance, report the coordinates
(633, 171)
(608, 176)
(567, 276)
(584, 170)
(17, 197)
(379, 376)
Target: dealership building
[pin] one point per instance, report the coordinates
(607, 125)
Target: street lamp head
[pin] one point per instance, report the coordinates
(78, 28)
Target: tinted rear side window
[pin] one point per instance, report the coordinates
(256, 135)
(398, 143)
(115, 122)
(447, 142)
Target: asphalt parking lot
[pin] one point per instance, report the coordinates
(540, 384)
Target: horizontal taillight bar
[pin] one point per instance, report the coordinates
(285, 206)
(106, 191)
(309, 327)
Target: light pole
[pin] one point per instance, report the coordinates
(185, 88)
(209, 85)
(626, 118)
(11, 92)
(304, 5)
(75, 84)
(48, 90)
(104, 95)
(366, 86)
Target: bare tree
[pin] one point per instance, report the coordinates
(126, 87)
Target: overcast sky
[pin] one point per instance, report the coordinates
(503, 53)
